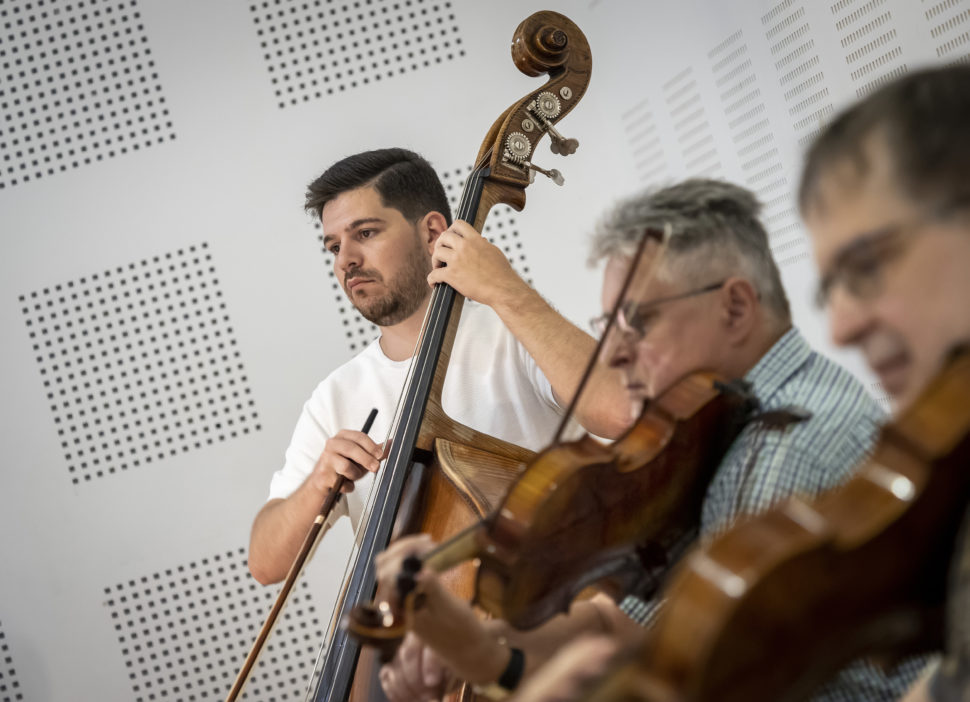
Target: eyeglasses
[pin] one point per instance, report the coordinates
(632, 317)
(860, 267)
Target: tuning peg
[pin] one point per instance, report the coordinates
(561, 146)
(544, 111)
(554, 175)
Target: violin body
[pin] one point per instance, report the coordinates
(584, 511)
(776, 606)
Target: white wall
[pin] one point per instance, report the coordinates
(132, 584)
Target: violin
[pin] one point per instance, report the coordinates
(583, 512)
(776, 606)
(439, 475)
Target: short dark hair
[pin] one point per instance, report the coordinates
(403, 179)
(924, 118)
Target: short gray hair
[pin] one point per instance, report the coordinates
(715, 231)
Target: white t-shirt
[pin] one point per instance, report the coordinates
(492, 385)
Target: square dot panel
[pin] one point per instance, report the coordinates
(139, 363)
(500, 229)
(314, 49)
(9, 685)
(184, 632)
(77, 85)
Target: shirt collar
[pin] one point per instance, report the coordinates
(782, 360)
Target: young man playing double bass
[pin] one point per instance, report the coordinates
(387, 222)
(713, 301)
(886, 196)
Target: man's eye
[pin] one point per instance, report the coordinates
(641, 320)
(367, 233)
(863, 264)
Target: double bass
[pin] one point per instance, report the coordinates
(440, 476)
(776, 606)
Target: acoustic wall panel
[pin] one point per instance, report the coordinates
(184, 632)
(949, 23)
(646, 148)
(9, 685)
(868, 34)
(692, 126)
(139, 363)
(314, 49)
(78, 86)
(795, 54)
(753, 141)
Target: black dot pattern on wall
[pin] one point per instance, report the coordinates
(184, 632)
(77, 86)
(323, 47)
(9, 685)
(139, 363)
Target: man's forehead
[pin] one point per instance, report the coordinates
(863, 172)
(351, 209)
(652, 278)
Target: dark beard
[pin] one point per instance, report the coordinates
(405, 293)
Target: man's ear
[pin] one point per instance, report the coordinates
(431, 226)
(739, 301)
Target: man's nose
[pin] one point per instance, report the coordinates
(849, 317)
(619, 349)
(349, 256)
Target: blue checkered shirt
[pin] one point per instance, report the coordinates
(765, 465)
